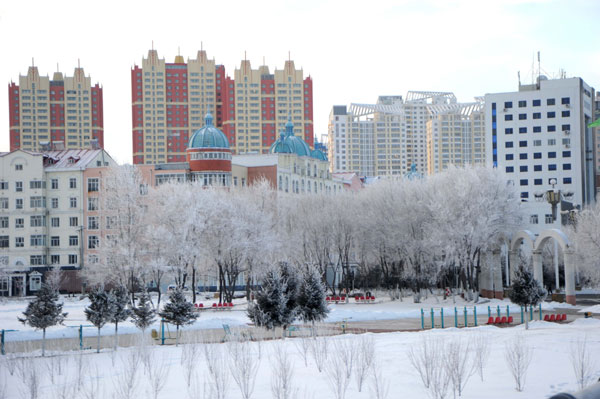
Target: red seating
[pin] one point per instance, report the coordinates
(372, 298)
(503, 320)
(490, 320)
(552, 318)
(230, 304)
(214, 305)
(328, 299)
(356, 298)
(362, 298)
(498, 320)
(564, 317)
(546, 317)
(343, 299)
(510, 319)
(201, 305)
(196, 305)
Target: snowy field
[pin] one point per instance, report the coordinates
(184, 371)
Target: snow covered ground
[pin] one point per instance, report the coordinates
(106, 374)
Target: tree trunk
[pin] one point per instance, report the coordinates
(116, 335)
(98, 348)
(193, 285)
(43, 342)
(526, 319)
(177, 336)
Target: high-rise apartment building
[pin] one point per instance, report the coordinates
(539, 136)
(386, 138)
(169, 101)
(455, 135)
(64, 112)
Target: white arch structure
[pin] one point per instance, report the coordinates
(537, 244)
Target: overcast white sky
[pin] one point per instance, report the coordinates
(354, 50)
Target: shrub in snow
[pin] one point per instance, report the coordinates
(178, 311)
(518, 358)
(43, 312)
(120, 312)
(143, 314)
(311, 297)
(100, 310)
(526, 291)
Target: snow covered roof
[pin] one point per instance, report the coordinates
(255, 160)
(71, 159)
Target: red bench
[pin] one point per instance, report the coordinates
(490, 320)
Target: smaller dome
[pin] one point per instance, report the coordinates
(208, 136)
(288, 143)
(318, 154)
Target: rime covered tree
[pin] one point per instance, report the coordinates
(43, 312)
(178, 311)
(311, 297)
(100, 310)
(120, 311)
(143, 314)
(526, 291)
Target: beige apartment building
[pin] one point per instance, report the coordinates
(455, 135)
(65, 112)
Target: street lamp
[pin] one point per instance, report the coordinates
(554, 196)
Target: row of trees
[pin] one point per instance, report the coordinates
(394, 233)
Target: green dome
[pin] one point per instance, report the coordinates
(318, 154)
(208, 136)
(290, 144)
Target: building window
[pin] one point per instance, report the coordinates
(509, 157)
(537, 129)
(19, 242)
(566, 154)
(523, 143)
(537, 155)
(552, 166)
(523, 168)
(3, 222)
(508, 130)
(3, 185)
(523, 182)
(550, 101)
(73, 202)
(537, 103)
(19, 186)
(523, 156)
(35, 283)
(37, 240)
(508, 117)
(567, 180)
(73, 221)
(565, 100)
(55, 222)
(37, 221)
(522, 104)
(510, 169)
(37, 260)
(54, 259)
(19, 223)
(55, 241)
(537, 168)
(533, 219)
(552, 154)
(508, 104)
(93, 242)
(73, 241)
(72, 182)
(508, 144)
(551, 128)
(54, 202)
(4, 241)
(37, 184)
(37, 202)
(566, 166)
(93, 184)
(54, 184)
(537, 182)
(92, 223)
(548, 219)
(92, 204)
(524, 195)
(522, 117)
(19, 203)
(537, 115)
(72, 259)
(18, 167)
(551, 114)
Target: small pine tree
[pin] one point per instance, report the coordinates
(526, 291)
(311, 297)
(276, 301)
(143, 314)
(178, 311)
(100, 310)
(43, 312)
(120, 311)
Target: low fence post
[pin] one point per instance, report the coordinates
(466, 320)
(498, 310)
(507, 311)
(422, 319)
(489, 312)
(530, 312)
(540, 311)
(432, 321)
(2, 343)
(475, 315)
(442, 315)
(162, 331)
(522, 317)
(81, 337)
(455, 317)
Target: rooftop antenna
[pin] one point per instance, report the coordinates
(245, 63)
(263, 60)
(519, 77)
(178, 50)
(539, 68)
(201, 46)
(152, 45)
(57, 68)
(32, 62)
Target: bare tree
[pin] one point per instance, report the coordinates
(303, 343)
(218, 376)
(244, 366)
(319, 351)
(92, 387)
(282, 374)
(481, 348)
(582, 361)
(459, 364)
(346, 350)
(31, 377)
(337, 377)
(518, 357)
(422, 357)
(365, 356)
(379, 386)
(189, 359)
(439, 379)
(158, 372)
(126, 382)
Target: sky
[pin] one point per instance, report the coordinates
(354, 50)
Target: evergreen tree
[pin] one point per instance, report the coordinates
(43, 312)
(120, 312)
(178, 311)
(100, 310)
(526, 291)
(143, 314)
(290, 277)
(311, 297)
(276, 301)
